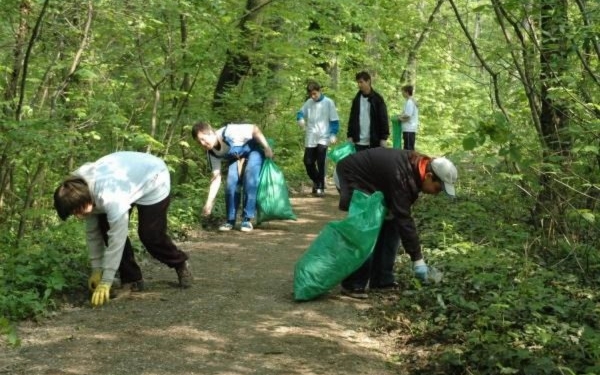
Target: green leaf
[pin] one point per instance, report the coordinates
(469, 143)
(588, 215)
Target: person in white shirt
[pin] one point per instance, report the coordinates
(103, 193)
(243, 147)
(319, 118)
(409, 118)
(368, 124)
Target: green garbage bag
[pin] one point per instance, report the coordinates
(339, 152)
(340, 248)
(272, 199)
(396, 133)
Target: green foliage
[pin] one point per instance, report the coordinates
(8, 330)
(39, 269)
(499, 308)
(148, 70)
(184, 212)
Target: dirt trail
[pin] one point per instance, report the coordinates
(238, 318)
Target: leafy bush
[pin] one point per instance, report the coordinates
(500, 308)
(36, 270)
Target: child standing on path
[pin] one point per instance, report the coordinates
(319, 117)
(409, 118)
(240, 146)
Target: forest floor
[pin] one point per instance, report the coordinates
(239, 317)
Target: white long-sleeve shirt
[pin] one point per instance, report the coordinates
(412, 111)
(318, 116)
(116, 182)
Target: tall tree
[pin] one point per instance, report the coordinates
(238, 63)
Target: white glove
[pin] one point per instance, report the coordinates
(332, 139)
(301, 123)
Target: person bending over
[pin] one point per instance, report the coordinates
(243, 147)
(103, 193)
(400, 175)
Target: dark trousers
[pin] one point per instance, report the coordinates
(152, 230)
(378, 270)
(409, 139)
(314, 161)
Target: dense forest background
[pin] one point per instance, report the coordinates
(508, 89)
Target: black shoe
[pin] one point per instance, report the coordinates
(385, 288)
(355, 293)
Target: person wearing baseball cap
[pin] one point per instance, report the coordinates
(400, 175)
(445, 170)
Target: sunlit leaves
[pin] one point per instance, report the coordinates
(8, 330)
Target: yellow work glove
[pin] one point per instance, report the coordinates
(101, 294)
(94, 279)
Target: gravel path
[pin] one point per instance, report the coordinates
(238, 318)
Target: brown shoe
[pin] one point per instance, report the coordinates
(138, 286)
(184, 275)
(134, 286)
(355, 293)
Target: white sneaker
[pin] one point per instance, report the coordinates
(225, 227)
(246, 226)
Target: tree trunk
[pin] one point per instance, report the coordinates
(18, 52)
(29, 198)
(554, 119)
(409, 75)
(237, 63)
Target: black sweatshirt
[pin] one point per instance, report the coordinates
(391, 172)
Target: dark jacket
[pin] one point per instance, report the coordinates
(380, 127)
(393, 172)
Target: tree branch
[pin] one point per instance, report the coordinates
(34, 35)
(475, 49)
(524, 73)
(79, 53)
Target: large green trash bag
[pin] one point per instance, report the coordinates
(339, 152)
(272, 199)
(396, 133)
(340, 248)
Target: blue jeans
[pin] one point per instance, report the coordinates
(378, 270)
(245, 183)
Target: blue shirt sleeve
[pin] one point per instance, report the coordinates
(334, 126)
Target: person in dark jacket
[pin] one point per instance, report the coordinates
(400, 175)
(368, 126)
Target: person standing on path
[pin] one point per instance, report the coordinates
(409, 118)
(319, 118)
(240, 145)
(368, 125)
(400, 175)
(103, 193)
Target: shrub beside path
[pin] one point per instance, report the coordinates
(238, 318)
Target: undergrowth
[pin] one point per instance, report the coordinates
(501, 307)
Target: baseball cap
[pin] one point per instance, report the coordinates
(445, 170)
